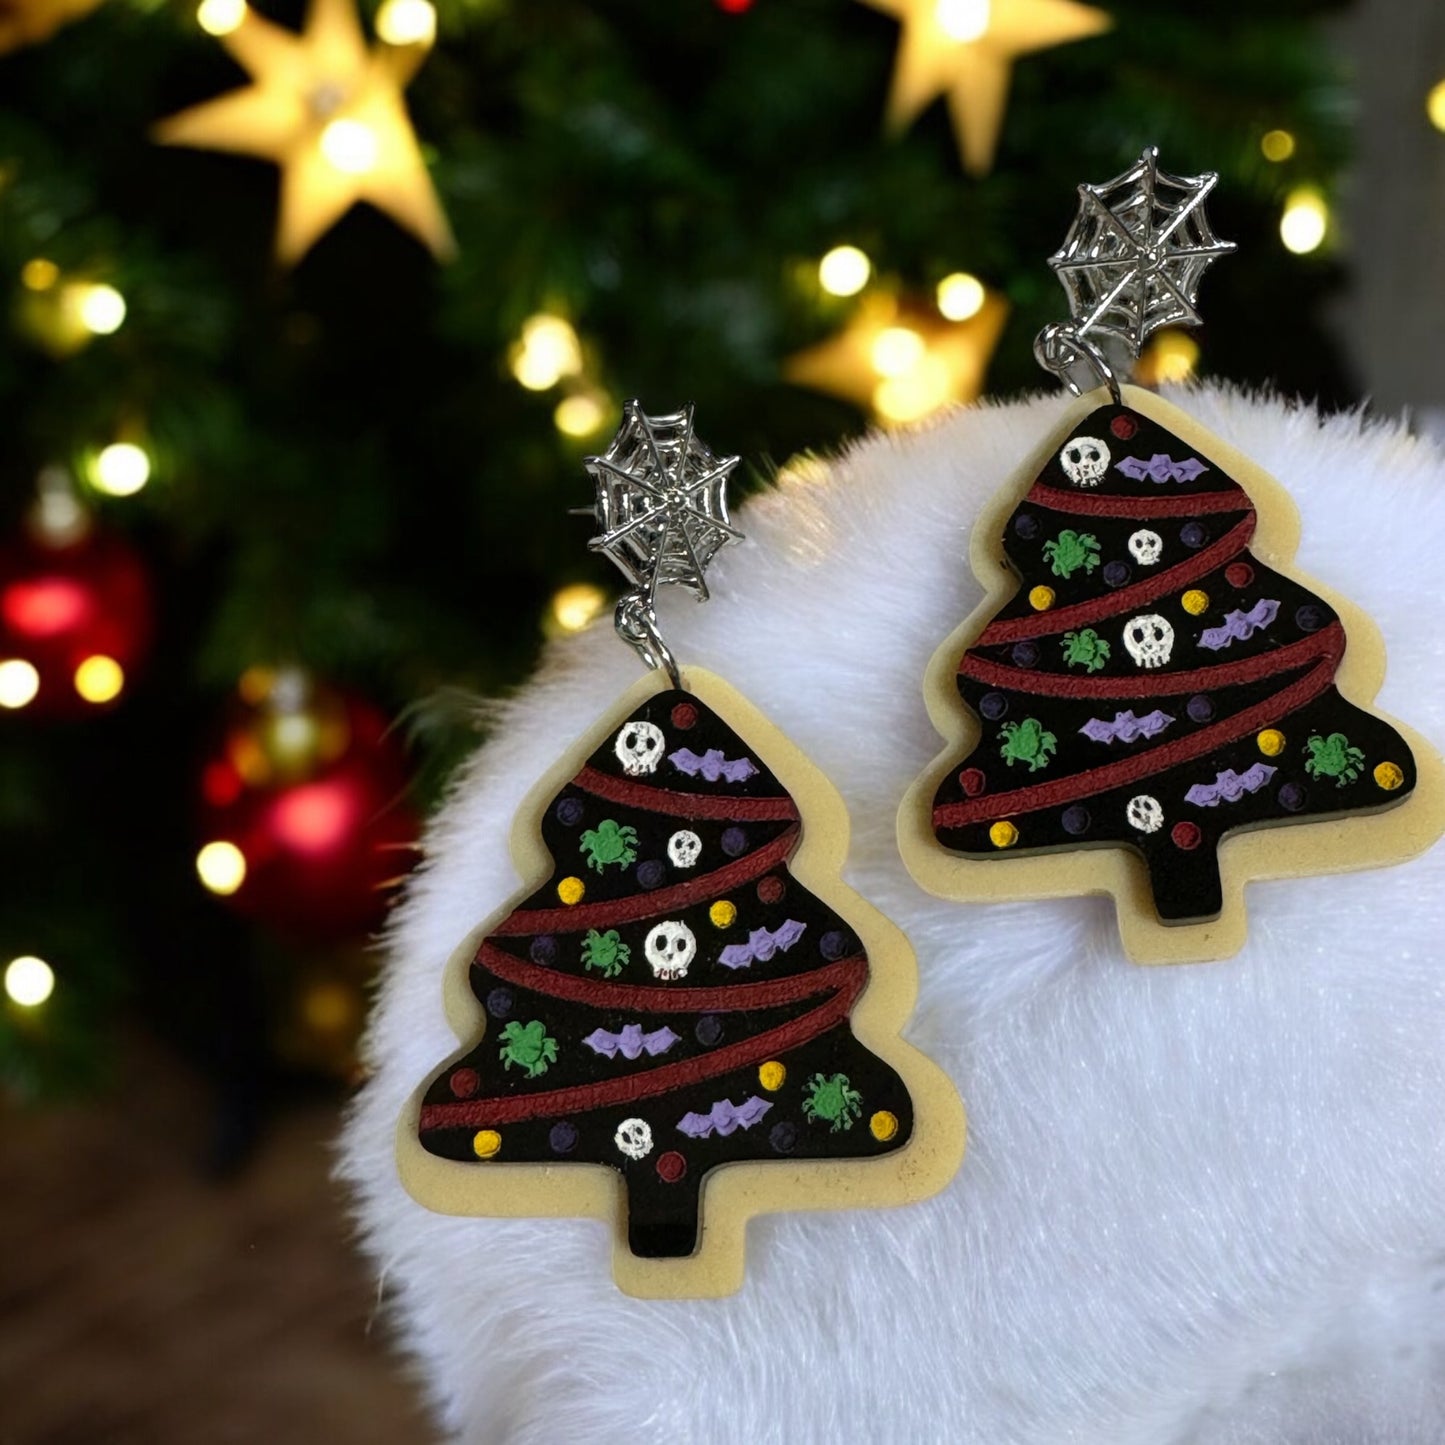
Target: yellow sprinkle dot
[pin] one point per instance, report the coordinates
(1194, 601)
(1003, 834)
(722, 913)
(884, 1125)
(772, 1074)
(485, 1143)
(1389, 776)
(1271, 742)
(570, 890)
(1041, 599)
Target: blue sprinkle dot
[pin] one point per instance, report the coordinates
(709, 1030)
(1194, 535)
(1309, 618)
(543, 949)
(1200, 708)
(1025, 654)
(563, 1137)
(1076, 820)
(1292, 797)
(1026, 526)
(993, 705)
(651, 873)
(784, 1137)
(570, 812)
(833, 944)
(1116, 574)
(734, 842)
(499, 1003)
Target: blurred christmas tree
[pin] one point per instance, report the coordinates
(349, 476)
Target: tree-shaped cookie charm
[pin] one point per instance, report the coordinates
(687, 1018)
(1147, 674)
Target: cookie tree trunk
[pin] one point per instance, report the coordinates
(670, 1000)
(1152, 683)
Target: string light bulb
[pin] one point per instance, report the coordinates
(960, 296)
(575, 605)
(407, 22)
(29, 981)
(1305, 221)
(844, 271)
(547, 351)
(221, 867)
(579, 415)
(963, 20)
(350, 146)
(1171, 356)
(220, 17)
(121, 469)
(19, 682)
(99, 679)
(1277, 145)
(1435, 105)
(101, 308)
(896, 349)
(39, 274)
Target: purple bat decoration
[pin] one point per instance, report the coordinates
(1161, 468)
(762, 944)
(1240, 626)
(631, 1042)
(724, 1117)
(1229, 786)
(1126, 728)
(712, 765)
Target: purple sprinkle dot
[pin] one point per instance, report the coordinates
(651, 873)
(1116, 574)
(1076, 820)
(563, 1137)
(993, 705)
(784, 1137)
(1292, 797)
(734, 842)
(1309, 618)
(709, 1030)
(1199, 708)
(834, 944)
(1194, 535)
(570, 811)
(1026, 525)
(499, 1003)
(1025, 654)
(544, 949)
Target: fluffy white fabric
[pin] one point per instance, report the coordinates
(1200, 1203)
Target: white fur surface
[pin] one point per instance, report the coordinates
(1200, 1204)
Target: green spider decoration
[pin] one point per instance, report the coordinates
(1027, 742)
(605, 951)
(609, 842)
(528, 1046)
(833, 1100)
(1085, 648)
(1333, 757)
(1071, 550)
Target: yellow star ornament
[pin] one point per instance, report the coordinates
(329, 111)
(965, 49)
(903, 362)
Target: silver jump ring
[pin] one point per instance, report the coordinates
(1058, 347)
(636, 620)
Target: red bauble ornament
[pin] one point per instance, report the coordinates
(310, 790)
(75, 622)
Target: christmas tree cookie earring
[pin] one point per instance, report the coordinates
(686, 1018)
(1149, 687)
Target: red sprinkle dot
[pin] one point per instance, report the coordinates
(465, 1083)
(1186, 836)
(972, 781)
(684, 716)
(771, 889)
(671, 1166)
(1123, 427)
(1239, 574)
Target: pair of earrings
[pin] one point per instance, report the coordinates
(687, 984)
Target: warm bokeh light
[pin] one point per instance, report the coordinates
(1276, 145)
(963, 20)
(844, 271)
(912, 394)
(19, 682)
(39, 274)
(1171, 356)
(407, 22)
(548, 351)
(574, 606)
(44, 606)
(121, 469)
(315, 817)
(99, 679)
(101, 308)
(1435, 105)
(581, 415)
(221, 17)
(29, 981)
(896, 350)
(221, 867)
(1305, 221)
(350, 146)
(960, 296)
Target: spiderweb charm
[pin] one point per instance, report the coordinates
(1131, 264)
(663, 513)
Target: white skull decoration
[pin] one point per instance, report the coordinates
(684, 848)
(639, 748)
(1084, 460)
(634, 1138)
(1149, 639)
(1146, 546)
(670, 947)
(1144, 813)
